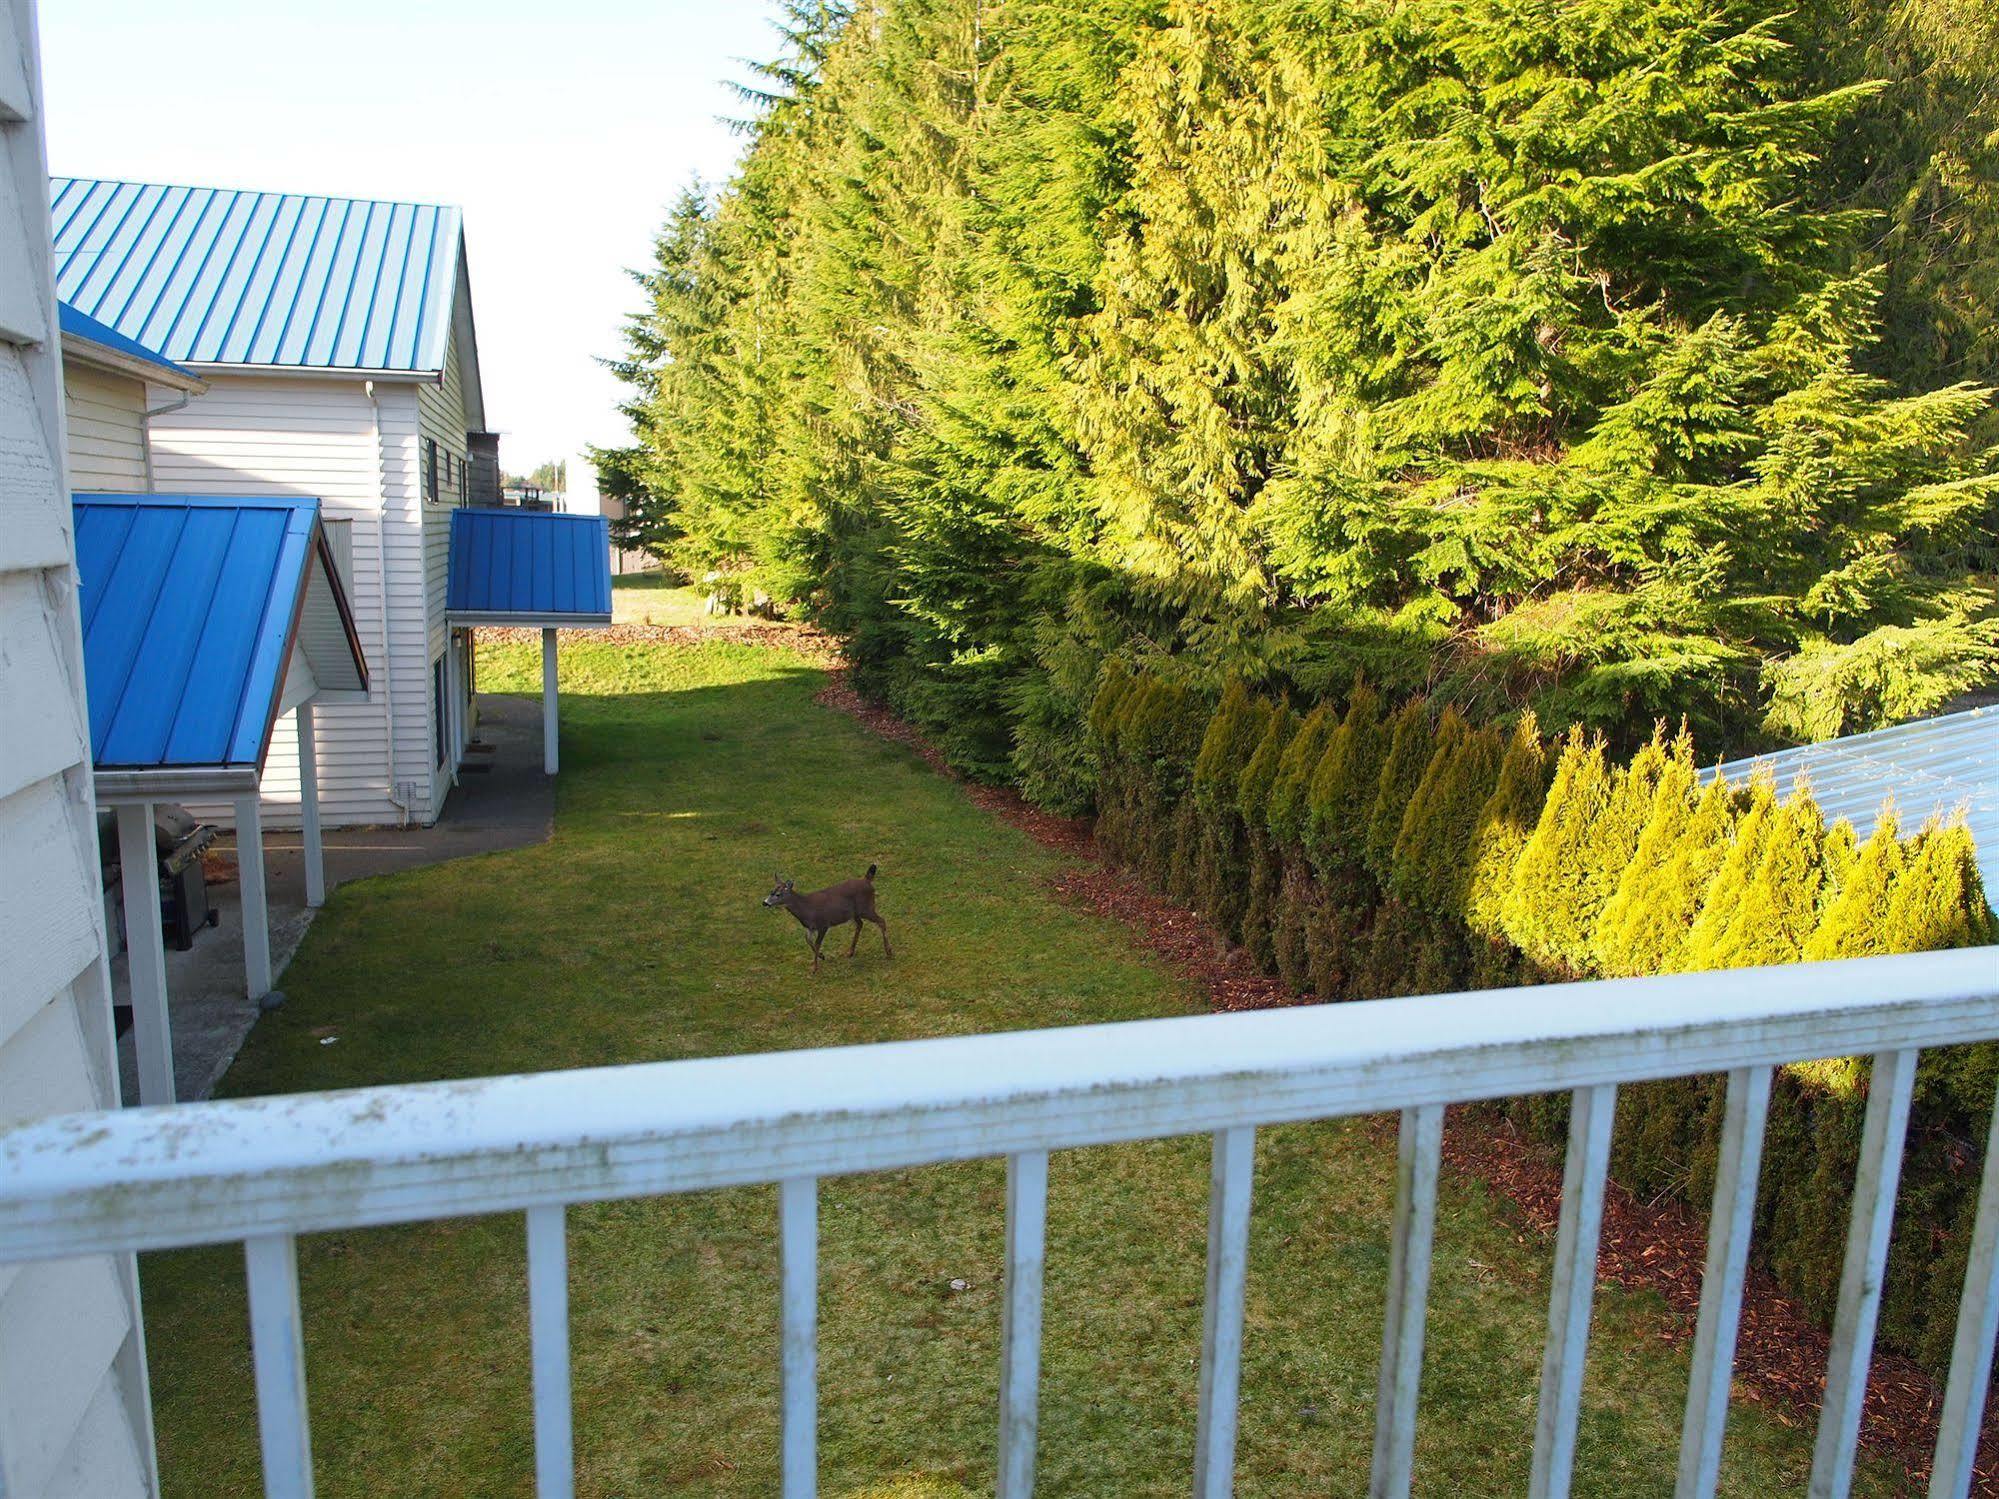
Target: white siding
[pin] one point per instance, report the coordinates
(107, 429)
(73, 1408)
(256, 434)
(441, 418)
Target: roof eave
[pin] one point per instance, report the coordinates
(318, 372)
(524, 619)
(116, 361)
(173, 783)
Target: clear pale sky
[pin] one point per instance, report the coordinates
(563, 128)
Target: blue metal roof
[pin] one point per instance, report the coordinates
(190, 609)
(1931, 767)
(79, 325)
(214, 276)
(530, 563)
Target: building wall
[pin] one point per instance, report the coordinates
(326, 437)
(74, 1418)
(107, 429)
(442, 418)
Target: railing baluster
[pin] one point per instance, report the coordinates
(1971, 1353)
(1020, 1332)
(1231, 1166)
(1590, 1118)
(798, 1227)
(548, 1326)
(1418, 1153)
(1888, 1093)
(1729, 1225)
(277, 1351)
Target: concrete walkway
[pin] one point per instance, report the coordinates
(502, 801)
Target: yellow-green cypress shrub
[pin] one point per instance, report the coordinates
(1410, 731)
(1230, 739)
(1259, 777)
(1505, 823)
(1651, 927)
(1636, 894)
(1342, 788)
(1431, 862)
(1551, 913)
(1285, 812)
(1706, 944)
(1779, 909)
(1939, 901)
(1854, 923)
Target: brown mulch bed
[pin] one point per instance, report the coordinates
(1659, 1247)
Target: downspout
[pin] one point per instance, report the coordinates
(382, 584)
(146, 415)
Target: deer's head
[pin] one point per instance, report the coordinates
(777, 897)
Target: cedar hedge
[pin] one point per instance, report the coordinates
(1371, 849)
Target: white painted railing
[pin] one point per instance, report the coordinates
(265, 1170)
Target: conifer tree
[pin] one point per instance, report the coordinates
(1505, 823)
(1410, 730)
(1551, 915)
(1736, 871)
(1779, 906)
(1341, 794)
(1624, 937)
(1855, 923)
(1939, 901)
(1286, 811)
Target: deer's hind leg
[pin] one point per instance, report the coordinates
(875, 917)
(851, 946)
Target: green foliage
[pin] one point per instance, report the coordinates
(1551, 915)
(1856, 918)
(1285, 813)
(1410, 733)
(1621, 362)
(1259, 777)
(1341, 796)
(1938, 901)
(1708, 942)
(1230, 740)
(1430, 867)
(1505, 823)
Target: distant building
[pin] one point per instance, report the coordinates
(335, 341)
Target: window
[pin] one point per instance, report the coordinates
(430, 470)
(464, 480)
(441, 708)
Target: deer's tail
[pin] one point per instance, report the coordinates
(870, 874)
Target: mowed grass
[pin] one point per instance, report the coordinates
(660, 598)
(690, 777)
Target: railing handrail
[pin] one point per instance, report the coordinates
(212, 1172)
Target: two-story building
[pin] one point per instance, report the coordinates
(316, 346)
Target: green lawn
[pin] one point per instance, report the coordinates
(690, 776)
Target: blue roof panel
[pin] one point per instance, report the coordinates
(189, 605)
(76, 325)
(216, 276)
(529, 563)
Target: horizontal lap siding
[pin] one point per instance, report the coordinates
(107, 446)
(441, 418)
(73, 1398)
(265, 435)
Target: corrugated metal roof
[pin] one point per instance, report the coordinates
(75, 324)
(214, 276)
(529, 563)
(190, 605)
(1931, 766)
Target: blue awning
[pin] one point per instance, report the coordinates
(528, 567)
(203, 619)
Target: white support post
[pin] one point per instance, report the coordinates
(798, 1230)
(250, 886)
(1728, 1230)
(1020, 1323)
(1562, 1363)
(548, 1331)
(1889, 1090)
(145, 952)
(1418, 1154)
(1232, 1165)
(1971, 1352)
(277, 1353)
(548, 710)
(312, 846)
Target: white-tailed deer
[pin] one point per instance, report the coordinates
(819, 911)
